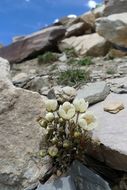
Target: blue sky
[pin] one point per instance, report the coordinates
(21, 17)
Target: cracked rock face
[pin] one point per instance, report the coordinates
(112, 133)
(20, 134)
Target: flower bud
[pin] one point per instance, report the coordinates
(43, 123)
(66, 144)
(42, 153)
(51, 105)
(77, 134)
(61, 120)
(53, 151)
(49, 117)
(54, 140)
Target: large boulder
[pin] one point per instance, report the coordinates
(114, 29)
(20, 134)
(34, 44)
(115, 6)
(91, 44)
(80, 25)
(112, 133)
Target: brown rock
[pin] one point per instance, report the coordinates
(92, 45)
(78, 29)
(114, 107)
(113, 53)
(99, 11)
(32, 45)
(89, 18)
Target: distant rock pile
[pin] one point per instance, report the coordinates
(79, 32)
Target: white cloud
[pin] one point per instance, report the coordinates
(92, 4)
(56, 20)
(72, 16)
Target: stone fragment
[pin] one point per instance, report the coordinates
(114, 107)
(62, 94)
(20, 78)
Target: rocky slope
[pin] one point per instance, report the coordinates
(88, 53)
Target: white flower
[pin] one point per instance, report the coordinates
(51, 105)
(67, 110)
(82, 123)
(53, 151)
(80, 105)
(89, 121)
(49, 116)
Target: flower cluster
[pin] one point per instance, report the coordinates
(67, 131)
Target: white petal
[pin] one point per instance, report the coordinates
(49, 116)
(92, 126)
(82, 123)
(51, 105)
(71, 113)
(80, 105)
(66, 106)
(89, 117)
(62, 113)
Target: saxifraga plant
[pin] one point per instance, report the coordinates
(47, 57)
(73, 76)
(85, 61)
(68, 129)
(70, 52)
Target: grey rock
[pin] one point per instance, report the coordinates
(86, 179)
(122, 68)
(118, 85)
(64, 183)
(20, 134)
(93, 92)
(37, 83)
(113, 7)
(111, 133)
(79, 178)
(63, 58)
(20, 78)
